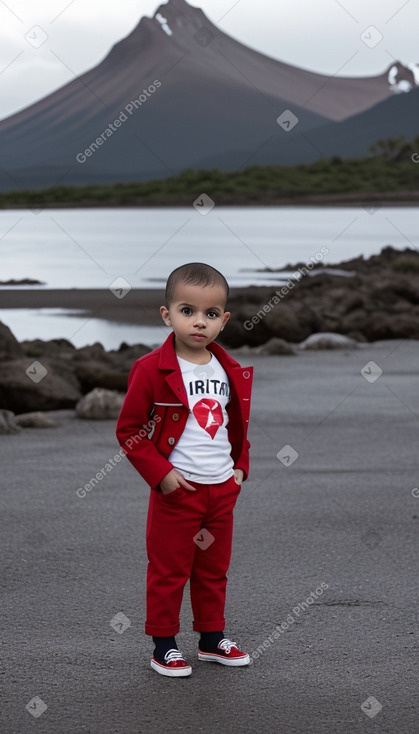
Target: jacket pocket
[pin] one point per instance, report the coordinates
(155, 422)
(158, 417)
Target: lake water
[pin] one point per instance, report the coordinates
(57, 323)
(91, 248)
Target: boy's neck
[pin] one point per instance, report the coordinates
(204, 356)
(195, 358)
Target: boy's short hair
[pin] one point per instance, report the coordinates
(194, 274)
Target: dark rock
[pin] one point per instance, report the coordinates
(407, 290)
(124, 359)
(9, 346)
(398, 326)
(50, 348)
(93, 351)
(348, 302)
(23, 281)
(282, 321)
(236, 334)
(277, 346)
(90, 376)
(254, 294)
(386, 259)
(309, 316)
(388, 290)
(109, 370)
(27, 386)
(356, 336)
(357, 320)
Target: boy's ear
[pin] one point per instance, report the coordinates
(226, 317)
(165, 315)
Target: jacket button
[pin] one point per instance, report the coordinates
(246, 374)
(170, 440)
(175, 417)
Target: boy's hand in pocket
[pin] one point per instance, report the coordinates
(173, 480)
(238, 475)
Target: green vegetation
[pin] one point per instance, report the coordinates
(390, 168)
(406, 264)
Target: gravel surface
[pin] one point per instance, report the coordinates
(324, 564)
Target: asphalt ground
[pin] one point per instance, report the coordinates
(323, 583)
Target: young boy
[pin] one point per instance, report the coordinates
(183, 426)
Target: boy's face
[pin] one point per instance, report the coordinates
(196, 315)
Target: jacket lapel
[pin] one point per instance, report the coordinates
(168, 362)
(241, 377)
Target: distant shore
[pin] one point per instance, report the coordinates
(139, 306)
(358, 199)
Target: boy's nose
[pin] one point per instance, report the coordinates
(200, 321)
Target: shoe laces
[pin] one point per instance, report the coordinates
(173, 654)
(226, 645)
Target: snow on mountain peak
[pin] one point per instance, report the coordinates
(164, 24)
(399, 78)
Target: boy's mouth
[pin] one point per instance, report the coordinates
(198, 335)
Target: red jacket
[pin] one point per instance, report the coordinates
(155, 411)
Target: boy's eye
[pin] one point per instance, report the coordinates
(187, 311)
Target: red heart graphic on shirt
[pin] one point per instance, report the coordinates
(209, 415)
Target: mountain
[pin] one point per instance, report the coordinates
(388, 119)
(179, 93)
(350, 138)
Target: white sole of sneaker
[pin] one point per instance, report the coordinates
(171, 672)
(233, 662)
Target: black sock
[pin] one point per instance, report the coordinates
(209, 640)
(163, 645)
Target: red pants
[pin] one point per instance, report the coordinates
(189, 536)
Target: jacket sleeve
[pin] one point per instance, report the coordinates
(239, 415)
(134, 425)
(243, 460)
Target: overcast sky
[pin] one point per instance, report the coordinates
(320, 35)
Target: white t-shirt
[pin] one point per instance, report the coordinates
(203, 452)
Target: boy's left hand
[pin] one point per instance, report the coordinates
(238, 475)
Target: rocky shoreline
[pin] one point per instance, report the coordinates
(51, 375)
(363, 301)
